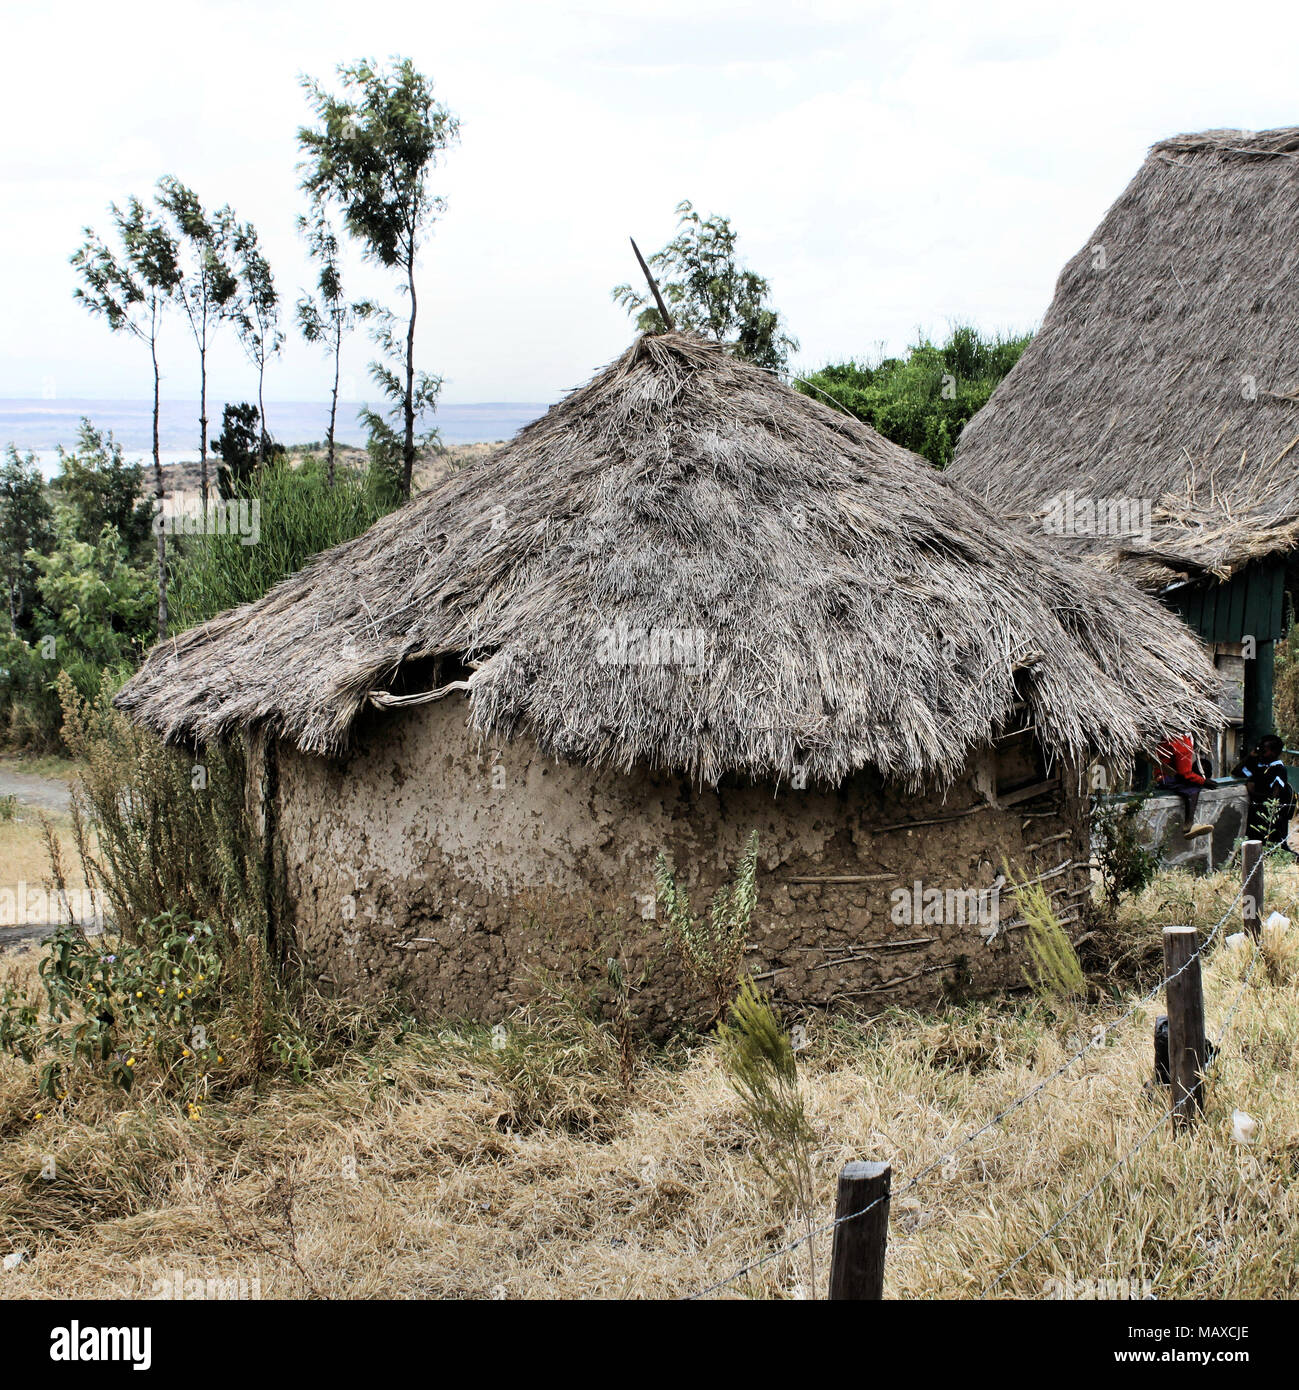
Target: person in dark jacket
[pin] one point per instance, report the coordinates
(1271, 797)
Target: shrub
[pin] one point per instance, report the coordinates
(923, 400)
(94, 612)
(1126, 865)
(712, 950)
(1055, 971)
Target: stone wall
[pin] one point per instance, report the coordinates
(1162, 821)
(427, 863)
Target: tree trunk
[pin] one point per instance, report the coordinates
(202, 415)
(261, 414)
(408, 449)
(333, 401)
(158, 489)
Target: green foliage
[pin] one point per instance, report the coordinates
(206, 284)
(26, 531)
(242, 446)
(328, 317)
(100, 489)
(923, 400)
(94, 613)
(708, 292)
(758, 1057)
(370, 155)
(300, 515)
(1126, 865)
(112, 1006)
(712, 950)
(386, 453)
(129, 287)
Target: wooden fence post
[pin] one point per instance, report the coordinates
(1251, 902)
(857, 1255)
(1186, 1043)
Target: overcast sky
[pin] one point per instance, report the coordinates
(890, 168)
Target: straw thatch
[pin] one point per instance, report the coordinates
(1167, 367)
(688, 565)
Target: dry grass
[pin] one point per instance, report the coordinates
(527, 1172)
(23, 853)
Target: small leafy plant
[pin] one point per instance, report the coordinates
(1126, 865)
(118, 1008)
(712, 949)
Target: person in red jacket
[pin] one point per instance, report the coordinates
(1177, 773)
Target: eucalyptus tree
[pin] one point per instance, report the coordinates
(371, 155)
(130, 288)
(208, 286)
(256, 315)
(326, 317)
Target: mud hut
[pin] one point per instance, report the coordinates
(1153, 422)
(686, 604)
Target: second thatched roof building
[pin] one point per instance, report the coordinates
(1153, 422)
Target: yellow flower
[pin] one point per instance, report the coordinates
(40, 1115)
(130, 1061)
(139, 994)
(185, 1052)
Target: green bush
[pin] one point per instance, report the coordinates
(94, 614)
(1126, 865)
(922, 401)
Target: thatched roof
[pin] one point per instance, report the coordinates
(688, 565)
(1167, 367)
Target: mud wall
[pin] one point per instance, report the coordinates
(454, 871)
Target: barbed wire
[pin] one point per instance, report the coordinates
(1090, 1046)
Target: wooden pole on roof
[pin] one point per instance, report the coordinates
(654, 288)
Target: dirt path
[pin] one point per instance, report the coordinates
(44, 793)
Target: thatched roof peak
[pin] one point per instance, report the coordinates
(1167, 367)
(688, 565)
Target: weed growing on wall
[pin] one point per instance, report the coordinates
(713, 948)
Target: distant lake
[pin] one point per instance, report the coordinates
(41, 426)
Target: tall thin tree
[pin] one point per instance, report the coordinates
(208, 285)
(256, 315)
(326, 317)
(130, 288)
(371, 155)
